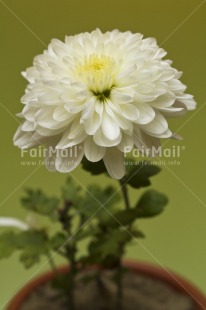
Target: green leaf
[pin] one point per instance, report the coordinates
(86, 233)
(95, 197)
(110, 244)
(57, 241)
(123, 218)
(33, 244)
(29, 259)
(8, 244)
(107, 196)
(136, 233)
(94, 168)
(87, 206)
(140, 173)
(151, 204)
(126, 218)
(93, 259)
(38, 202)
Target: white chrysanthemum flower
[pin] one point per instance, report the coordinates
(99, 95)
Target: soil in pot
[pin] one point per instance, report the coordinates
(140, 292)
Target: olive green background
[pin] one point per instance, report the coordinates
(176, 239)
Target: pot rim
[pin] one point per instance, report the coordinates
(164, 274)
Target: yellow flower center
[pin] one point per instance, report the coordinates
(98, 72)
(96, 63)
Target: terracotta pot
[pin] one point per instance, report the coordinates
(168, 277)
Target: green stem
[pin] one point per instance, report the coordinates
(52, 263)
(119, 270)
(65, 219)
(125, 193)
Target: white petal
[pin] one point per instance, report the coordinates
(147, 98)
(129, 70)
(50, 98)
(173, 112)
(130, 112)
(146, 113)
(157, 126)
(115, 112)
(189, 103)
(24, 139)
(29, 112)
(92, 151)
(178, 108)
(31, 74)
(163, 101)
(166, 134)
(28, 126)
(77, 140)
(60, 114)
(44, 118)
(50, 158)
(126, 144)
(68, 159)
(88, 110)
(101, 140)
(110, 128)
(150, 142)
(145, 142)
(74, 106)
(168, 74)
(92, 124)
(66, 142)
(99, 107)
(75, 129)
(88, 45)
(121, 97)
(13, 222)
(138, 138)
(28, 96)
(46, 132)
(114, 162)
(176, 85)
(59, 48)
(146, 88)
(176, 136)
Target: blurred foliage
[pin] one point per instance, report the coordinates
(89, 213)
